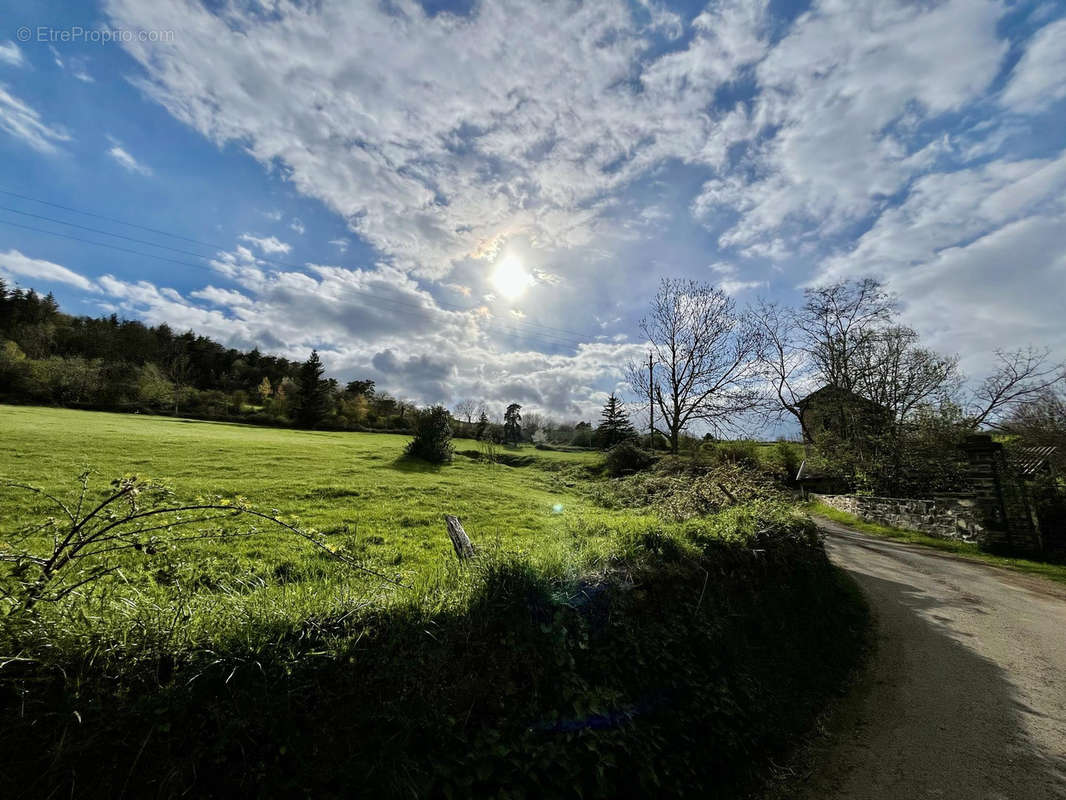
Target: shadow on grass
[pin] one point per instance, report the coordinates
(406, 463)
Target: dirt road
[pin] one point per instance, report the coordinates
(965, 696)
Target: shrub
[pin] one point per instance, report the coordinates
(626, 457)
(743, 452)
(433, 437)
(788, 458)
(684, 660)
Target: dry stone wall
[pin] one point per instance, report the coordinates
(943, 517)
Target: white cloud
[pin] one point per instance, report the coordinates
(379, 324)
(976, 254)
(298, 226)
(11, 55)
(14, 263)
(444, 140)
(268, 245)
(23, 122)
(1037, 79)
(123, 157)
(433, 135)
(843, 96)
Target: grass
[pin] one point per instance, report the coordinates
(966, 550)
(355, 486)
(377, 506)
(588, 650)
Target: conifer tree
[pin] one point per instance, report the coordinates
(311, 401)
(615, 426)
(512, 424)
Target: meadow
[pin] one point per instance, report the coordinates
(356, 489)
(592, 643)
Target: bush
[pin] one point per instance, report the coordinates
(788, 458)
(625, 458)
(433, 436)
(742, 452)
(637, 675)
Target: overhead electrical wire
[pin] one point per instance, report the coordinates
(532, 326)
(398, 306)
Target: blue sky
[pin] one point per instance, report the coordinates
(351, 176)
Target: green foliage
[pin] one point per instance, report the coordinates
(788, 456)
(433, 436)
(627, 457)
(741, 452)
(632, 673)
(312, 396)
(512, 424)
(583, 436)
(614, 426)
(586, 649)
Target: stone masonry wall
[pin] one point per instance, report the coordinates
(943, 517)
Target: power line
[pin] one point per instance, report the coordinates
(551, 330)
(398, 305)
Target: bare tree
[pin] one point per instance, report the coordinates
(704, 355)
(828, 341)
(466, 409)
(1041, 421)
(836, 324)
(1021, 375)
(893, 371)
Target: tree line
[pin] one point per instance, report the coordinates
(52, 358)
(715, 364)
(49, 357)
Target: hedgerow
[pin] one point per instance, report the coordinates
(675, 661)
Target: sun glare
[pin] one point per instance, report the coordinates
(510, 277)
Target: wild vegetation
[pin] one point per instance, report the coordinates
(586, 646)
(222, 609)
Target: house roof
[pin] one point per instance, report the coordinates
(835, 391)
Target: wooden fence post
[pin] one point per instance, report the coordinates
(464, 548)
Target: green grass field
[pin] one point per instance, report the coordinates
(382, 509)
(587, 649)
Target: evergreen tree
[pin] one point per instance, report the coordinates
(312, 396)
(615, 426)
(512, 424)
(482, 425)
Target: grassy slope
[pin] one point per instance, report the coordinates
(967, 550)
(380, 508)
(333, 481)
(554, 659)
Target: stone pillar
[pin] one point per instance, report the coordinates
(1000, 497)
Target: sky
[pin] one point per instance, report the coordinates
(477, 199)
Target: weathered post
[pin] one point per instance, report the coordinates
(464, 548)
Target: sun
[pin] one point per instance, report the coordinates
(510, 277)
